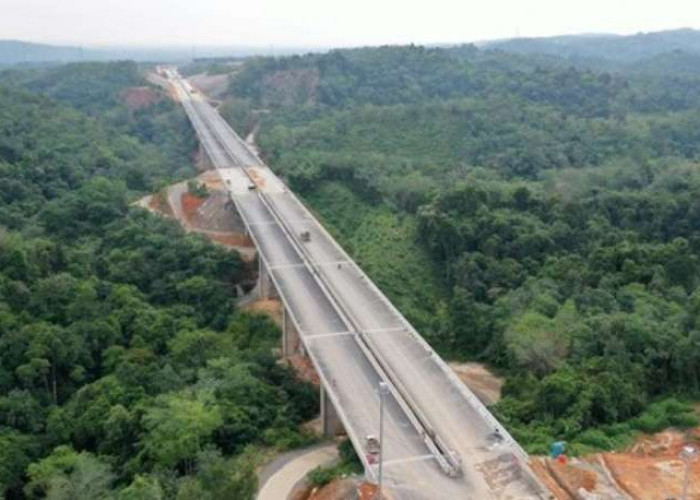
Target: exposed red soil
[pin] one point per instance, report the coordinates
(341, 489)
(652, 468)
(572, 478)
(539, 468)
(190, 204)
(367, 491)
(140, 97)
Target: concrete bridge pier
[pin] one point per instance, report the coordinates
(330, 421)
(291, 342)
(266, 288)
(204, 162)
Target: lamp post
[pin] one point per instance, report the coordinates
(689, 454)
(383, 391)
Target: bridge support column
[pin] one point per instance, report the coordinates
(265, 287)
(205, 162)
(291, 343)
(332, 426)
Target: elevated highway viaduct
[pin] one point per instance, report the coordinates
(440, 442)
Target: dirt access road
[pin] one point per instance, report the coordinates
(280, 478)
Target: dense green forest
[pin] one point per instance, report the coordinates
(125, 371)
(540, 216)
(536, 215)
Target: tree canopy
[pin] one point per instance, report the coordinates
(125, 370)
(540, 214)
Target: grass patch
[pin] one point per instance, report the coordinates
(385, 245)
(349, 465)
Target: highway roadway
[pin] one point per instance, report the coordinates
(355, 338)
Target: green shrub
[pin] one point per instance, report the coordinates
(321, 476)
(597, 439)
(666, 413)
(287, 439)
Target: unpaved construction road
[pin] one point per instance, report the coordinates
(281, 476)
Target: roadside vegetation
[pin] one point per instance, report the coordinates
(125, 370)
(520, 210)
(348, 465)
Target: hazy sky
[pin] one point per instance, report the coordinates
(328, 22)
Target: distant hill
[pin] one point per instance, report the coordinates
(602, 51)
(17, 52)
(609, 47)
(28, 53)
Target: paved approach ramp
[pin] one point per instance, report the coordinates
(439, 440)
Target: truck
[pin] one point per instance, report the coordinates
(372, 447)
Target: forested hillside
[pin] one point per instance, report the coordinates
(541, 217)
(618, 48)
(15, 52)
(125, 371)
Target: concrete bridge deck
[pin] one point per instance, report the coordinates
(356, 338)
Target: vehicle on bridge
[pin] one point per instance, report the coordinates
(373, 448)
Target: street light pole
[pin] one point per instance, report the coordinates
(383, 391)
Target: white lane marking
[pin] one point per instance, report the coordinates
(329, 334)
(295, 221)
(315, 264)
(383, 330)
(263, 223)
